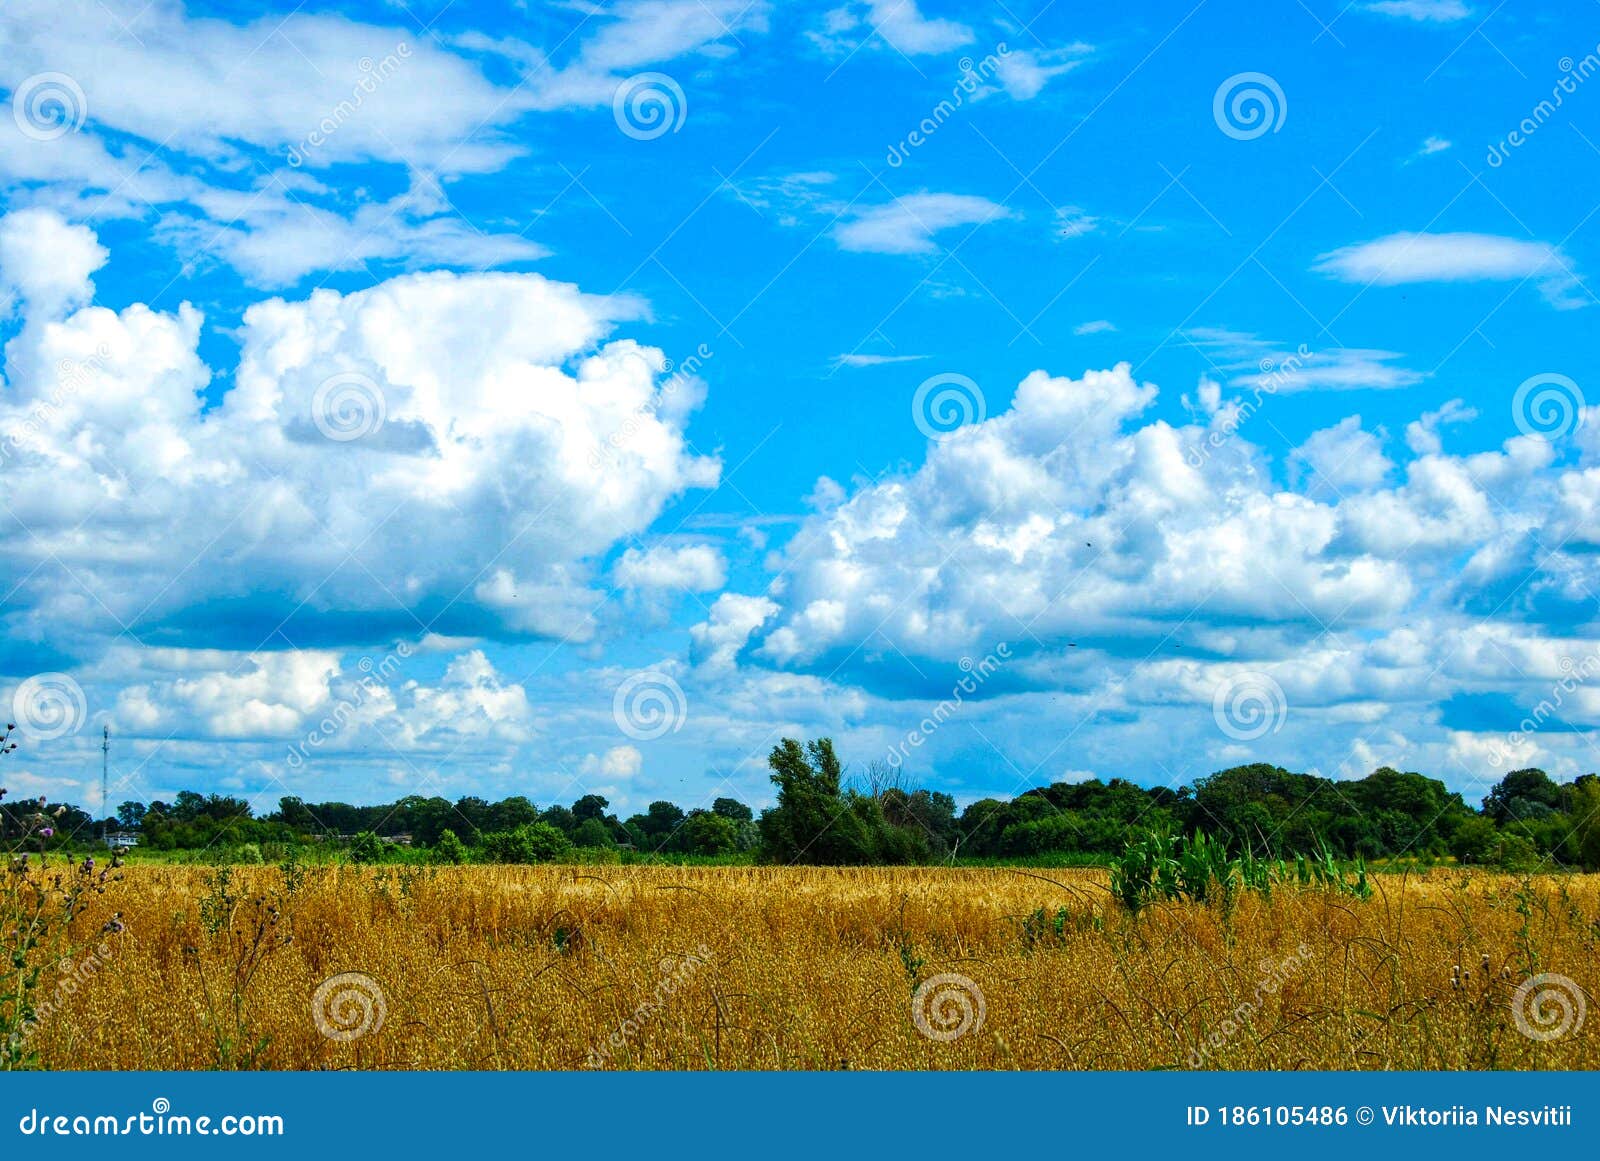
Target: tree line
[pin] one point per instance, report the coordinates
(821, 816)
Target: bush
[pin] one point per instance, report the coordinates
(449, 848)
(532, 842)
(366, 848)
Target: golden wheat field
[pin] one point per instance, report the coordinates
(788, 968)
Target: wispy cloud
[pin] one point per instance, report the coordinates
(1422, 11)
(907, 225)
(1095, 327)
(1247, 361)
(875, 360)
(1403, 258)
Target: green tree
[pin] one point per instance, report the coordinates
(449, 848)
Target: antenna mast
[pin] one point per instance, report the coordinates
(105, 780)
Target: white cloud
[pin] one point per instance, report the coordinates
(899, 23)
(1404, 258)
(1422, 435)
(908, 224)
(718, 640)
(875, 360)
(1024, 72)
(694, 568)
(480, 403)
(1097, 326)
(1422, 11)
(1344, 456)
(1071, 222)
(1253, 363)
(617, 762)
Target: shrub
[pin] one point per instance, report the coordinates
(449, 848)
(532, 842)
(366, 848)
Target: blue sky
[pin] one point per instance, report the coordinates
(568, 397)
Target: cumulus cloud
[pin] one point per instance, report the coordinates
(1133, 568)
(420, 454)
(694, 568)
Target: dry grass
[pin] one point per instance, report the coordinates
(539, 968)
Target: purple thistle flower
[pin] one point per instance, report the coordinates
(47, 832)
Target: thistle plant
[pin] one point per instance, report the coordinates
(40, 905)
